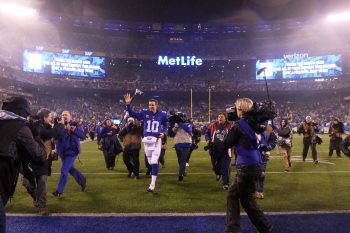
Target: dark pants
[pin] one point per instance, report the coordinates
(109, 159)
(189, 155)
(242, 190)
(37, 189)
(161, 157)
(221, 165)
(132, 161)
(2, 217)
(92, 135)
(261, 180)
(335, 145)
(313, 150)
(182, 154)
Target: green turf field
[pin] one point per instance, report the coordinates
(307, 187)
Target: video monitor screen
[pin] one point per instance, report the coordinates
(48, 62)
(294, 67)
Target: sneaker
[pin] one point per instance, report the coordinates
(56, 194)
(316, 162)
(129, 174)
(181, 178)
(218, 177)
(286, 170)
(259, 195)
(187, 164)
(225, 187)
(150, 190)
(83, 185)
(44, 212)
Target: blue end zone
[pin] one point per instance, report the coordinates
(283, 223)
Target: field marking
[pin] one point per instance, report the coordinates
(179, 214)
(209, 173)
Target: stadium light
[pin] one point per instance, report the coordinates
(338, 17)
(16, 9)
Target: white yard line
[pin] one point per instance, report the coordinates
(211, 173)
(174, 214)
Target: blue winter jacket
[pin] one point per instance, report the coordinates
(68, 143)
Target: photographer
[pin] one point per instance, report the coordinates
(131, 136)
(285, 143)
(336, 131)
(16, 144)
(108, 143)
(246, 137)
(36, 185)
(182, 143)
(220, 157)
(68, 148)
(309, 130)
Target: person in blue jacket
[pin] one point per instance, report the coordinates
(68, 148)
(155, 125)
(247, 137)
(182, 143)
(271, 141)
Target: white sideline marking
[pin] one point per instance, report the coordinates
(208, 173)
(173, 214)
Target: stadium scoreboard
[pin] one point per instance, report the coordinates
(65, 62)
(294, 66)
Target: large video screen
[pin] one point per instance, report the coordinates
(300, 66)
(49, 62)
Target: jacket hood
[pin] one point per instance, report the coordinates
(6, 115)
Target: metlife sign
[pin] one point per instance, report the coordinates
(179, 61)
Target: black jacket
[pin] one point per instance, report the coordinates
(16, 145)
(46, 133)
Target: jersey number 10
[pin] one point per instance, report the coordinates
(152, 126)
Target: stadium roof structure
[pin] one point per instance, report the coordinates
(195, 11)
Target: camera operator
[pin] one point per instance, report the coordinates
(309, 130)
(37, 184)
(16, 144)
(68, 148)
(285, 143)
(131, 136)
(336, 131)
(244, 137)
(108, 143)
(182, 143)
(220, 156)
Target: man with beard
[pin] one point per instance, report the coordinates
(335, 133)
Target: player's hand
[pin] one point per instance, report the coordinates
(161, 135)
(127, 98)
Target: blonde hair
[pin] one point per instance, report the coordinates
(244, 104)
